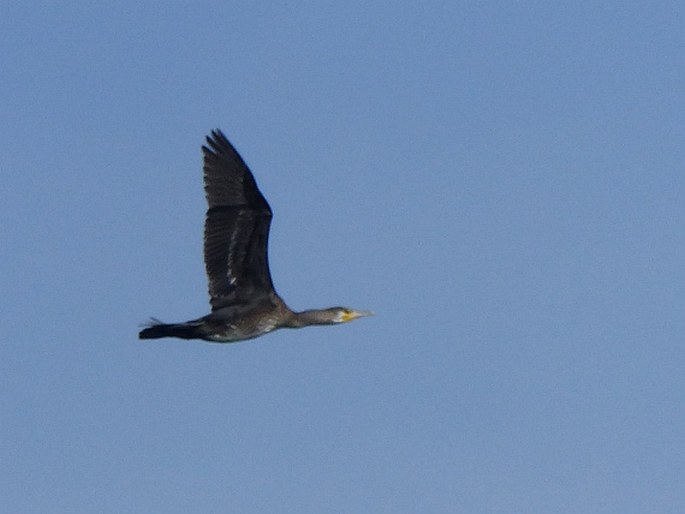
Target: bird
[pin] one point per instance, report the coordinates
(244, 303)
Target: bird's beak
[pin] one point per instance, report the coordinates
(349, 316)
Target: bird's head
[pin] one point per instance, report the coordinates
(330, 316)
(345, 314)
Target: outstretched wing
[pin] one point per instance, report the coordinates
(236, 227)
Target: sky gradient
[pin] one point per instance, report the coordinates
(504, 184)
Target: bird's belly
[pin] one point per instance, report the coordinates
(233, 333)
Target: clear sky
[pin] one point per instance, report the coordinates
(502, 182)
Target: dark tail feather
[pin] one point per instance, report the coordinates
(156, 329)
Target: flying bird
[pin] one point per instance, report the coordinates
(242, 297)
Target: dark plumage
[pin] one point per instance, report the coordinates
(243, 300)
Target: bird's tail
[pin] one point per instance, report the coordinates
(156, 329)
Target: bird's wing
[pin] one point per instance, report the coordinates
(236, 227)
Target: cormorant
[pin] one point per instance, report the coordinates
(243, 300)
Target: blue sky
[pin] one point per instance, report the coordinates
(502, 182)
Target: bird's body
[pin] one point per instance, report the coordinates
(243, 300)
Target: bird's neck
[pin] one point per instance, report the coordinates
(309, 317)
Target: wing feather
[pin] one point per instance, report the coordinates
(236, 227)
